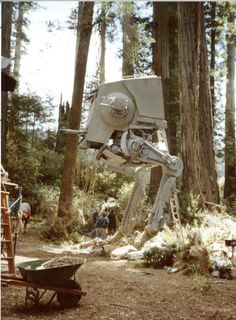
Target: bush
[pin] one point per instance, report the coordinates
(75, 237)
(124, 194)
(47, 202)
(159, 257)
(50, 168)
(190, 212)
(23, 168)
(200, 283)
(231, 205)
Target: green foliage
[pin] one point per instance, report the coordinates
(159, 257)
(201, 283)
(23, 167)
(21, 24)
(231, 205)
(111, 184)
(138, 38)
(189, 205)
(50, 167)
(219, 30)
(47, 201)
(29, 111)
(75, 237)
(124, 193)
(30, 156)
(85, 175)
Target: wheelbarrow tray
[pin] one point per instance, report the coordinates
(53, 276)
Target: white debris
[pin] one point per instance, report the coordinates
(121, 252)
(156, 241)
(136, 255)
(218, 262)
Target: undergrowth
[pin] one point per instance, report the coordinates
(159, 257)
(200, 283)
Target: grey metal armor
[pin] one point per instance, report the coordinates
(123, 119)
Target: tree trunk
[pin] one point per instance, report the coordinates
(165, 55)
(102, 33)
(208, 172)
(213, 56)
(161, 68)
(67, 180)
(127, 24)
(230, 156)
(19, 32)
(6, 51)
(80, 17)
(199, 174)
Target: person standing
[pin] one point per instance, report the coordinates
(25, 213)
(112, 223)
(101, 226)
(95, 216)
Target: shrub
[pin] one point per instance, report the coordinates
(200, 283)
(48, 202)
(50, 168)
(124, 194)
(231, 205)
(190, 212)
(159, 257)
(75, 237)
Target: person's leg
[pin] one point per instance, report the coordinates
(92, 234)
(103, 233)
(27, 220)
(100, 233)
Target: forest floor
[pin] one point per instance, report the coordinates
(118, 290)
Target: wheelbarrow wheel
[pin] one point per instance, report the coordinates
(68, 300)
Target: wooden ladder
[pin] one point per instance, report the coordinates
(174, 208)
(6, 233)
(174, 202)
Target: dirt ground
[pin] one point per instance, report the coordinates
(118, 290)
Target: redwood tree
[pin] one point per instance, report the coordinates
(102, 34)
(128, 27)
(161, 68)
(67, 180)
(230, 153)
(165, 54)
(199, 175)
(5, 51)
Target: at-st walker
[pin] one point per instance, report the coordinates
(123, 118)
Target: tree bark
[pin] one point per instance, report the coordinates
(165, 55)
(102, 33)
(208, 170)
(18, 45)
(67, 180)
(199, 174)
(230, 148)
(161, 68)
(213, 56)
(6, 52)
(127, 24)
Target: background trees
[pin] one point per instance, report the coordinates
(184, 43)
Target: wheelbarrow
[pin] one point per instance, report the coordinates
(39, 276)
